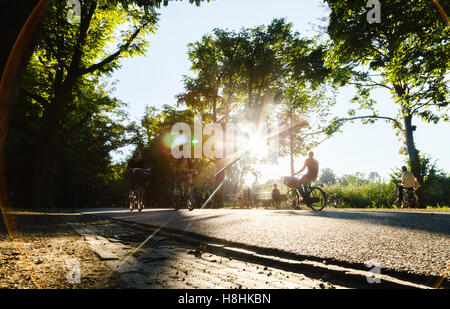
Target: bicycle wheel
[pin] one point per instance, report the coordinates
(191, 200)
(292, 199)
(317, 199)
(410, 200)
(334, 201)
(176, 202)
(140, 197)
(131, 199)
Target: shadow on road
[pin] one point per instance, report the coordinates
(44, 223)
(436, 223)
(429, 222)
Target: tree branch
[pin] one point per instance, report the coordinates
(84, 27)
(113, 56)
(420, 105)
(35, 97)
(398, 124)
(373, 84)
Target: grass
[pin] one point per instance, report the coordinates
(363, 195)
(369, 195)
(438, 207)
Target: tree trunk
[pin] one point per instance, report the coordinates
(292, 164)
(413, 154)
(46, 157)
(250, 93)
(47, 153)
(291, 146)
(14, 57)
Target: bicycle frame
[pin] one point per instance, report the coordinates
(137, 192)
(182, 191)
(304, 191)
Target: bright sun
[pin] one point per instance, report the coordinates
(257, 146)
(252, 140)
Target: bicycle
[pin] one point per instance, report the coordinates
(184, 192)
(409, 200)
(313, 196)
(334, 201)
(136, 196)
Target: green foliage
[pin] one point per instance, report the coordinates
(264, 74)
(84, 174)
(327, 176)
(357, 179)
(66, 121)
(368, 195)
(407, 53)
(152, 141)
(409, 49)
(359, 191)
(436, 183)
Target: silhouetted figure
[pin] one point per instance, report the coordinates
(313, 170)
(135, 162)
(248, 197)
(276, 196)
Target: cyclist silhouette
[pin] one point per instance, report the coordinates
(313, 170)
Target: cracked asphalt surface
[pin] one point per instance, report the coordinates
(413, 242)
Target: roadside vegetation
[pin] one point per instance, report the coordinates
(371, 191)
(360, 191)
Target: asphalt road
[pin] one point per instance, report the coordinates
(414, 242)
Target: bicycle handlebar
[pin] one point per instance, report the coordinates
(140, 169)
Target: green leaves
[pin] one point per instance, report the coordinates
(409, 49)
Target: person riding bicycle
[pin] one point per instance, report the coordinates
(134, 165)
(182, 171)
(183, 180)
(409, 182)
(313, 170)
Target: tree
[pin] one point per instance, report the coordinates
(156, 147)
(357, 179)
(373, 176)
(239, 75)
(304, 98)
(305, 110)
(72, 54)
(213, 92)
(14, 54)
(327, 176)
(72, 60)
(406, 53)
(83, 171)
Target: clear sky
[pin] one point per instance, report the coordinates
(156, 78)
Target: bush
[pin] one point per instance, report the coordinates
(364, 195)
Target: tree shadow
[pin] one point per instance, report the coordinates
(429, 222)
(47, 223)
